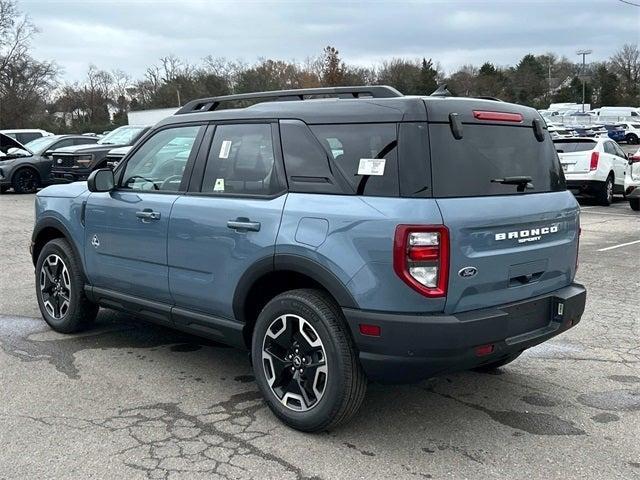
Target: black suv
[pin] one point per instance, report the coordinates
(76, 163)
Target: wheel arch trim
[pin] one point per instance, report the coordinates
(293, 263)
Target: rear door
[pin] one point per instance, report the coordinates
(227, 223)
(621, 163)
(520, 240)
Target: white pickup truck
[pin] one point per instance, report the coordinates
(593, 166)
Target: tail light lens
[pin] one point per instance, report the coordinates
(595, 156)
(421, 258)
(635, 158)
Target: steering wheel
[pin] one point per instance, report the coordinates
(155, 187)
(170, 179)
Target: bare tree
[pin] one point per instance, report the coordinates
(626, 64)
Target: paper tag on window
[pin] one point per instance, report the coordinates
(371, 166)
(225, 149)
(219, 185)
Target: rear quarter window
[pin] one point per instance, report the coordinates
(348, 144)
(466, 167)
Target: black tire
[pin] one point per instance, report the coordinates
(634, 203)
(25, 180)
(344, 384)
(632, 139)
(605, 194)
(489, 367)
(79, 312)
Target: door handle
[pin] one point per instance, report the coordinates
(147, 214)
(243, 225)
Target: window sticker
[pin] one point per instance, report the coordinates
(371, 166)
(225, 149)
(219, 185)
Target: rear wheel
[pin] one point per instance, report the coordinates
(305, 363)
(26, 180)
(605, 194)
(634, 203)
(60, 289)
(632, 138)
(489, 367)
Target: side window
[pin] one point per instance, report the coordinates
(365, 155)
(619, 151)
(67, 142)
(27, 137)
(608, 148)
(84, 141)
(159, 164)
(306, 162)
(241, 161)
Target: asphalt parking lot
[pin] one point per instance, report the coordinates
(133, 400)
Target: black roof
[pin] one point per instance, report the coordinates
(384, 105)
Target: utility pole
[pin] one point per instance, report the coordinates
(584, 54)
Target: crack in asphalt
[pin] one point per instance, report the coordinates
(167, 441)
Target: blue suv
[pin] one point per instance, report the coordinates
(340, 235)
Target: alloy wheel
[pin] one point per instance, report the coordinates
(55, 286)
(27, 181)
(294, 362)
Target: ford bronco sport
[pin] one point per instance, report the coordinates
(339, 234)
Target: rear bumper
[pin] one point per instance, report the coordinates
(415, 347)
(584, 187)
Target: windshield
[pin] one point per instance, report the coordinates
(39, 145)
(121, 136)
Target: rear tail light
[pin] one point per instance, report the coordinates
(593, 165)
(635, 158)
(421, 258)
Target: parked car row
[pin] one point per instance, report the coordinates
(49, 158)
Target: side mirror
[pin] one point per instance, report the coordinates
(101, 180)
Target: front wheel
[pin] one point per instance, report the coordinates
(634, 203)
(26, 180)
(60, 289)
(305, 363)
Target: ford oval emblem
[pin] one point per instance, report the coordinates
(467, 272)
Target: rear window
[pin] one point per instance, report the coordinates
(466, 167)
(569, 146)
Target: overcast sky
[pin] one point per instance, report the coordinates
(132, 34)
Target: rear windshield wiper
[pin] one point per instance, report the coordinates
(522, 181)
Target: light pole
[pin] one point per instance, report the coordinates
(584, 54)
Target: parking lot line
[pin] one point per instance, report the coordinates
(618, 246)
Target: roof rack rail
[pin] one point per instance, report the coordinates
(212, 103)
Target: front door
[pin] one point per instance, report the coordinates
(126, 229)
